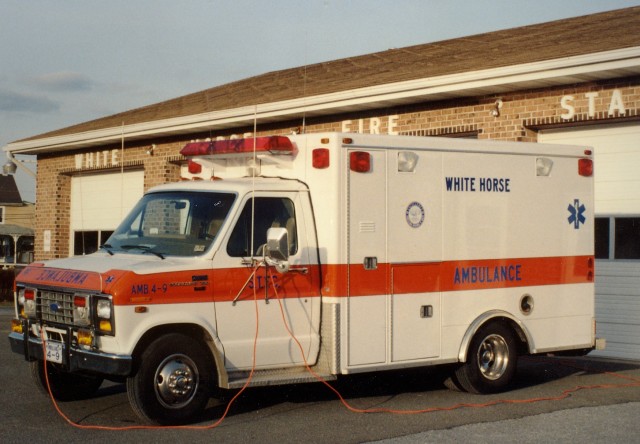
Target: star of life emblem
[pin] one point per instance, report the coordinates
(576, 213)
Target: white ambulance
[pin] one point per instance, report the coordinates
(345, 253)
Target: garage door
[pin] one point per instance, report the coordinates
(98, 203)
(617, 207)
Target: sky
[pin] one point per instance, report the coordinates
(64, 62)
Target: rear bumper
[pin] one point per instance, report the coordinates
(74, 359)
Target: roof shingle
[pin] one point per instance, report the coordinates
(535, 43)
(9, 194)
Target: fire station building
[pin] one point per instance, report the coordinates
(573, 81)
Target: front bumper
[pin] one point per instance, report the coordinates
(74, 359)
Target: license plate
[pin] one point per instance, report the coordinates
(54, 352)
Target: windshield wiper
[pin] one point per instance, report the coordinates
(144, 248)
(107, 248)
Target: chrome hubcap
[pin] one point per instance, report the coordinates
(176, 381)
(493, 357)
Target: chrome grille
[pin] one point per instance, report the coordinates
(55, 306)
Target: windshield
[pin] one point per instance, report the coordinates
(172, 224)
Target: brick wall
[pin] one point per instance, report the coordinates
(521, 115)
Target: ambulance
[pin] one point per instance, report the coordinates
(283, 259)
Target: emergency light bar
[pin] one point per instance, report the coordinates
(242, 147)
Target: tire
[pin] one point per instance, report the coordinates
(173, 381)
(64, 386)
(491, 361)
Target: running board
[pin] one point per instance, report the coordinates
(278, 376)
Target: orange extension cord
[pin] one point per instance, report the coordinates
(634, 382)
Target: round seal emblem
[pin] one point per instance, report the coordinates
(415, 214)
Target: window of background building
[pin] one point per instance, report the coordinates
(1, 215)
(621, 232)
(87, 242)
(24, 250)
(7, 249)
(627, 234)
(602, 238)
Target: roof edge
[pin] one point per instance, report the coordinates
(361, 98)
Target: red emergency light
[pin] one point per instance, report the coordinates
(585, 167)
(320, 158)
(360, 161)
(194, 167)
(269, 144)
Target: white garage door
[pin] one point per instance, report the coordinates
(98, 203)
(617, 195)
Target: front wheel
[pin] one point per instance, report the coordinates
(173, 381)
(491, 360)
(64, 386)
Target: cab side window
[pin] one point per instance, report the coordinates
(269, 212)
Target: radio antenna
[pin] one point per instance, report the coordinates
(253, 179)
(304, 84)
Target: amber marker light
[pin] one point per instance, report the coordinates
(85, 337)
(16, 326)
(105, 326)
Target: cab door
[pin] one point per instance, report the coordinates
(265, 299)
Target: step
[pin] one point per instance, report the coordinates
(278, 376)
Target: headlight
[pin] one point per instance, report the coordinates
(103, 309)
(104, 316)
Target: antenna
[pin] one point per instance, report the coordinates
(253, 178)
(304, 83)
(122, 171)
(304, 94)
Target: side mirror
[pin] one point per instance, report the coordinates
(278, 248)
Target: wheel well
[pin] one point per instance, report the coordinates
(193, 331)
(521, 337)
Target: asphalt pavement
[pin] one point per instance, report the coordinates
(604, 424)
(586, 400)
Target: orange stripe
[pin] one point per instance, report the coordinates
(38, 275)
(493, 273)
(457, 275)
(129, 288)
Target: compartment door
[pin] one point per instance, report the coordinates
(367, 317)
(415, 255)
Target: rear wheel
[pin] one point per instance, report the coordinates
(64, 386)
(173, 382)
(491, 361)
